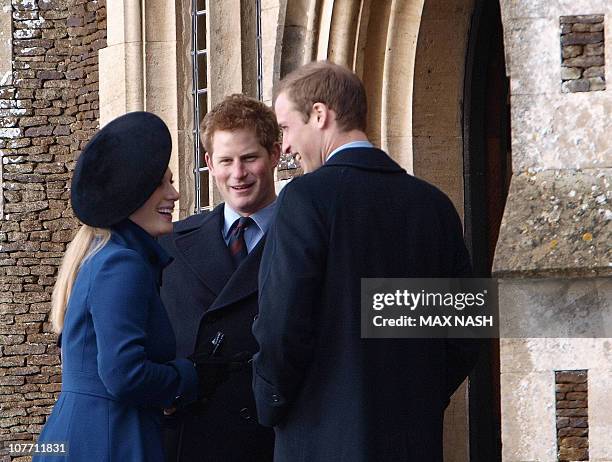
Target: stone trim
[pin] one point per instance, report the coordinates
(556, 223)
(571, 388)
(582, 53)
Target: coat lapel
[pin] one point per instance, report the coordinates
(243, 282)
(204, 251)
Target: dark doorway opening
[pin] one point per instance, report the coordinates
(487, 172)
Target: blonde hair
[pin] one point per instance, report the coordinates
(86, 243)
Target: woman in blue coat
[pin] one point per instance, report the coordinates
(118, 366)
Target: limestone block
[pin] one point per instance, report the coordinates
(571, 73)
(583, 19)
(519, 355)
(556, 223)
(581, 38)
(574, 86)
(561, 131)
(184, 67)
(442, 9)
(439, 160)
(513, 9)
(123, 21)
(271, 49)
(596, 71)
(600, 408)
(570, 51)
(597, 83)
(267, 4)
(584, 61)
(161, 81)
(160, 21)
(534, 69)
(118, 93)
(439, 76)
(400, 149)
(225, 50)
(184, 177)
(399, 63)
(528, 417)
(594, 49)
(569, 308)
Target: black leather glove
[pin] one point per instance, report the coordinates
(215, 370)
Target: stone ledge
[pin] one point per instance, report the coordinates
(557, 223)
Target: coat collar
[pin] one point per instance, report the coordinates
(364, 158)
(137, 239)
(202, 249)
(243, 282)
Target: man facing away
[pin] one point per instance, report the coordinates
(210, 289)
(331, 395)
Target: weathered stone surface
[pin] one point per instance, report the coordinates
(576, 396)
(583, 19)
(597, 83)
(578, 422)
(584, 61)
(572, 412)
(564, 230)
(597, 71)
(573, 454)
(563, 422)
(570, 73)
(594, 50)
(581, 38)
(565, 404)
(571, 377)
(572, 431)
(574, 86)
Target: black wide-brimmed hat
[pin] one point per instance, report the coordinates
(120, 168)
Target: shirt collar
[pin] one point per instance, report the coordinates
(262, 217)
(352, 144)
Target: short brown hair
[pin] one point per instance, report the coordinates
(335, 86)
(238, 112)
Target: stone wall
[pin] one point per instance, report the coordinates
(49, 113)
(571, 389)
(582, 53)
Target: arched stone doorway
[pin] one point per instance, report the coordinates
(461, 143)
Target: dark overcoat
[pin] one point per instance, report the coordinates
(118, 367)
(331, 395)
(204, 294)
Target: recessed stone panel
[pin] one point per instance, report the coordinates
(571, 394)
(582, 53)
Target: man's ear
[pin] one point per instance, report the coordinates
(322, 114)
(209, 163)
(275, 154)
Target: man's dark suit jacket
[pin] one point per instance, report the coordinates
(332, 395)
(204, 294)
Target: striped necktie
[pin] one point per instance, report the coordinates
(237, 245)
